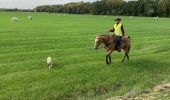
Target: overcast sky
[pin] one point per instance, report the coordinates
(29, 4)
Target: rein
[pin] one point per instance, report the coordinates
(107, 40)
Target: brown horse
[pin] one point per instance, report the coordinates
(109, 42)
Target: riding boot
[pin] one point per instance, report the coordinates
(118, 44)
(119, 50)
(115, 46)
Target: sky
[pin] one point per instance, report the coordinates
(30, 4)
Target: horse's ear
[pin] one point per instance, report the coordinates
(97, 35)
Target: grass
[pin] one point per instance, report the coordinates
(79, 72)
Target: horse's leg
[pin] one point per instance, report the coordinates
(127, 56)
(109, 55)
(126, 50)
(123, 58)
(110, 58)
(107, 59)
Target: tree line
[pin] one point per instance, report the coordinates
(16, 10)
(107, 7)
(112, 7)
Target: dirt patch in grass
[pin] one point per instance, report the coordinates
(159, 92)
(101, 90)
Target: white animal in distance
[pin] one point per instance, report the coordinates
(49, 62)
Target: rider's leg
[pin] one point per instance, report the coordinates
(118, 42)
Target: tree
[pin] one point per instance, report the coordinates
(163, 6)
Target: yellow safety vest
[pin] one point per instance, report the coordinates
(117, 29)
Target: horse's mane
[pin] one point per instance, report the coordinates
(105, 35)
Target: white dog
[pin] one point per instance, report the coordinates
(49, 62)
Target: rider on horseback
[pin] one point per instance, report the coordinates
(118, 32)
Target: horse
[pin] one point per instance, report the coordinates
(109, 42)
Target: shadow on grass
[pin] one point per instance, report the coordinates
(146, 63)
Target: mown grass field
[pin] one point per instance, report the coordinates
(79, 72)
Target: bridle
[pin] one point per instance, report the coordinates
(107, 40)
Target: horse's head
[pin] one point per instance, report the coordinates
(97, 42)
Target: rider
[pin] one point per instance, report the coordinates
(119, 32)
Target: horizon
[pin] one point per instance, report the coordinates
(30, 4)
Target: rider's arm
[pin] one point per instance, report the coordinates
(122, 29)
(112, 30)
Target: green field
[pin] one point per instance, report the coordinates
(79, 72)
